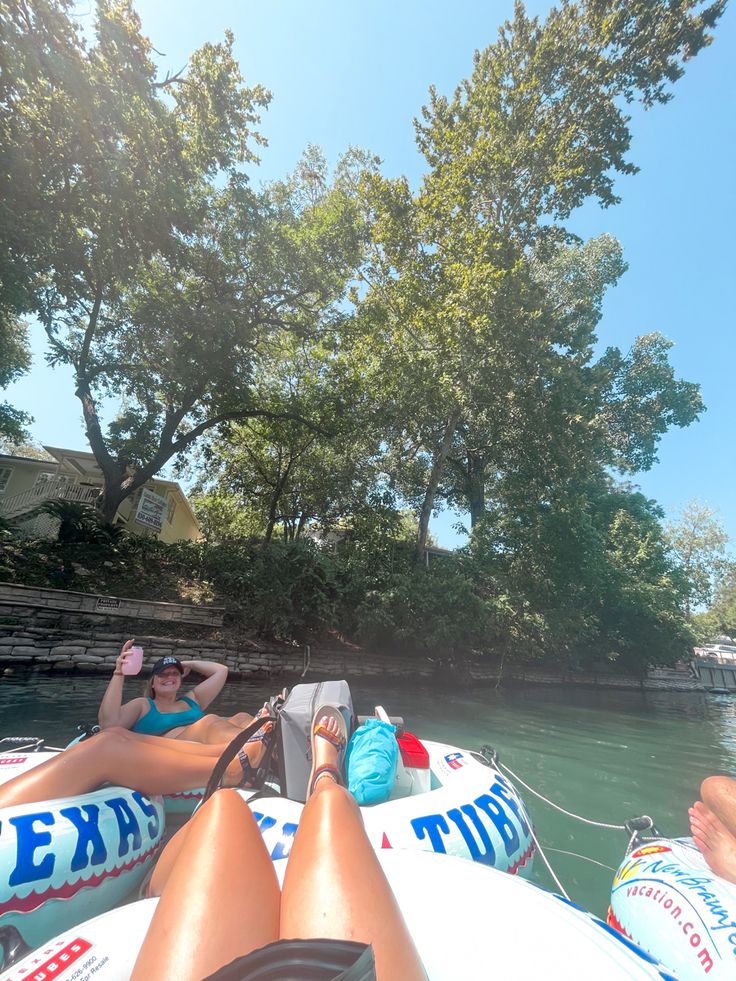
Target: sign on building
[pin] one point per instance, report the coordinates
(151, 511)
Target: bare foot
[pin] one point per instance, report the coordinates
(714, 840)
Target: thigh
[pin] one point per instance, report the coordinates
(220, 900)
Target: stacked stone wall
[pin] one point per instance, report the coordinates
(54, 635)
(37, 599)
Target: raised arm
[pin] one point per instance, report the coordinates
(112, 712)
(215, 676)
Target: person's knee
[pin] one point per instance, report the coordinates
(716, 791)
(226, 799)
(221, 806)
(112, 736)
(334, 799)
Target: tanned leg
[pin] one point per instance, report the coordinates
(335, 886)
(119, 757)
(183, 746)
(168, 858)
(220, 901)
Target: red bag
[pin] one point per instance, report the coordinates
(413, 752)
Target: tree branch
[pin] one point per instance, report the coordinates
(171, 79)
(89, 334)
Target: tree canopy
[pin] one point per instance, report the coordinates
(340, 346)
(480, 305)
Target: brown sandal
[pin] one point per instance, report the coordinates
(338, 740)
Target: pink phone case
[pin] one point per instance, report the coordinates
(134, 661)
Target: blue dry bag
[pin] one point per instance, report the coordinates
(371, 761)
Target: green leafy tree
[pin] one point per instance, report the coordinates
(161, 286)
(15, 359)
(586, 576)
(698, 541)
(285, 474)
(467, 326)
(169, 275)
(642, 619)
(222, 516)
(720, 618)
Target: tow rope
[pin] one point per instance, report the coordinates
(639, 829)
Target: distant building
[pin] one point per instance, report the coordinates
(723, 653)
(159, 508)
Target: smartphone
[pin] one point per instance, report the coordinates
(133, 661)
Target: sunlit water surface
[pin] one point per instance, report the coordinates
(604, 754)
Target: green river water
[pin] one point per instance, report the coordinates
(608, 755)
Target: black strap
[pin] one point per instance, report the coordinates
(231, 751)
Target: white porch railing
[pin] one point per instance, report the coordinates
(58, 489)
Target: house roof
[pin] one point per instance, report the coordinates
(25, 459)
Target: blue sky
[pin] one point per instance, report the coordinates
(346, 73)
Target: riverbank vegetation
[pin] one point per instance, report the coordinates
(333, 357)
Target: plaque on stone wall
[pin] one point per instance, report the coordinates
(107, 603)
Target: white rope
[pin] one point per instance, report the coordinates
(585, 858)
(562, 810)
(549, 867)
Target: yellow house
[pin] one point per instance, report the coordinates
(159, 508)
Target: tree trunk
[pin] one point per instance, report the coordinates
(111, 499)
(438, 465)
(272, 513)
(476, 487)
(273, 510)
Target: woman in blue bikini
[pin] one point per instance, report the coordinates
(164, 711)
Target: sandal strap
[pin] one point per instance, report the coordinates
(337, 741)
(260, 734)
(249, 771)
(324, 770)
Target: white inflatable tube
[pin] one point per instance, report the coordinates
(63, 860)
(667, 900)
(473, 812)
(468, 922)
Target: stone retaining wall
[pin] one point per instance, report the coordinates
(36, 599)
(25, 649)
(66, 651)
(46, 631)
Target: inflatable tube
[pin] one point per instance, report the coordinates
(473, 812)
(470, 810)
(466, 920)
(185, 802)
(667, 900)
(62, 860)
(53, 854)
